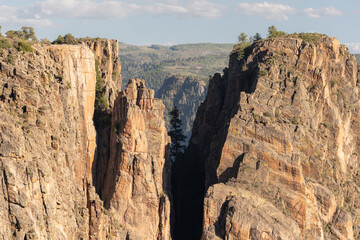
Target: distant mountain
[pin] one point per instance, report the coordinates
(156, 62)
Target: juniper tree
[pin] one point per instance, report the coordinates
(176, 134)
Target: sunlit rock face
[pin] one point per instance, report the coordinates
(280, 130)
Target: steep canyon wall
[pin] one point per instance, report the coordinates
(277, 141)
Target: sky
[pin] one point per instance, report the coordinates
(170, 22)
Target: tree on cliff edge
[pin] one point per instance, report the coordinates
(176, 134)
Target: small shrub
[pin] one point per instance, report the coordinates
(24, 115)
(10, 59)
(39, 123)
(116, 128)
(294, 120)
(267, 114)
(68, 85)
(270, 60)
(333, 83)
(59, 78)
(263, 73)
(4, 44)
(24, 46)
(114, 75)
(277, 114)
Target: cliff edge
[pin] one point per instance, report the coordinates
(277, 142)
(48, 168)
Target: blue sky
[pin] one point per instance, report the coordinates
(174, 21)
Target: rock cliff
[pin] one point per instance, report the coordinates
(47, 142)
(136, 184)
(277, 145)
(109, 66)
(186, 93)
(48, 146)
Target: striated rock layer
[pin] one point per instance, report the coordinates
(109, 66)
(137, 177)
(47, 149)
(47, 142)
(280, 130)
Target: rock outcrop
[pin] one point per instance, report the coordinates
(136, 185)
(109, 66)
(280, 130)
(47, 142)
(48, 146)
(186, 93)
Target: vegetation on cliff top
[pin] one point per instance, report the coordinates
(244, 44)
(70, 39)
(21, 40)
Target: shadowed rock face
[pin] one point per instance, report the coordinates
(281, 124)
(47, 149)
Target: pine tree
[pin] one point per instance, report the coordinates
(176, 134)
(257, 37)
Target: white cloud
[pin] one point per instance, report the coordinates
(354, 47)
(205, 9)
(40, 12)
(20, 15)
(267, 10)
(86, 9)
(317, 13)
(115, 9)
(281, 12)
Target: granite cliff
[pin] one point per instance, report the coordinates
(48, 153)
(276, 146)
(186, 93)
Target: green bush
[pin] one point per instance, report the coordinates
(274, 33)
(24, 46)
(4, 44)
(67, 39)
(243, 50)
(101, 103)
(308, 37)
(263, 73)
(10, 59)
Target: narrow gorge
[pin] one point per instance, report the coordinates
(273, 152)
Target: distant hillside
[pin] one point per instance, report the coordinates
(154, 63)
(357, 57)
(186, 93)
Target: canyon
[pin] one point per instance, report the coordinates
(273, 152)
